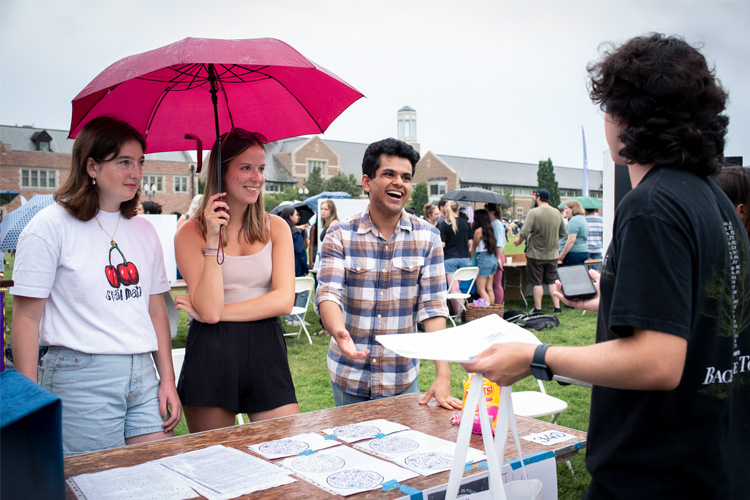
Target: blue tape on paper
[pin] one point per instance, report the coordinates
(330, 436)
(390, 485)
(579, 444)
(380, 435)
(530, 459)
(413, 493)
(483, 464)
(468, 465)
(307, 452)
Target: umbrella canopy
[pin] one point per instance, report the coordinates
(7, 195)
(587, 202)
(476, 194)
(15, 221)
(305, 212)
(262, 85)
(312, 201)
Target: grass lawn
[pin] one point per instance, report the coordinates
(313, 386)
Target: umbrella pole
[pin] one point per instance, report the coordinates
(215, 101)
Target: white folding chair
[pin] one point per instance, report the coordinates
(537, 404)
(462, 274)
(301, 284)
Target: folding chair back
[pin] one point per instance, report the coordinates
(302, 284)
(462, 274)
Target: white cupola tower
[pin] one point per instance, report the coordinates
(407, 126)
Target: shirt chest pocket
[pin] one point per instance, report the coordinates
(404, 276)
(359, 271)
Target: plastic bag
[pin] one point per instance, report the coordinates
(492, 396)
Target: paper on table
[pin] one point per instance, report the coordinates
(219, 472)
(294, 445)
(147, 481)
(459, 344)
(549, 438)
(345, 471)
(418, 451)
(365, 430)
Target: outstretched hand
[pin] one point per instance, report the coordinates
(346, 344)
(504, 363)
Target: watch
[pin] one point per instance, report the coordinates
(539, 368)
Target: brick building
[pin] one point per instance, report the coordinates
(37, 161)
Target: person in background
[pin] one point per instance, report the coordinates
(483, 246)
(596, 235)
(151, 207)
(291, 216)
(574, 247)
(382, 272)
(543, 228)
(455, 234)
(194, 205)
(735, 182)
(431, 214)
(499, 228)
(239, 285)
(669, 369)
(328, 216)
(103, 324)
(441, 207)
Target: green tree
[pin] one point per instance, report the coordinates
(201, 185)
(511, 208)
(545, 178)
(272, 200)
(342, 182)
(315, 183)
(419, 197)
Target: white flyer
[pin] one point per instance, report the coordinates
(418, 451)
(219, 472)
(295, 445)
(364, 430)
(458, 344)
(148, 481)
(345, 471)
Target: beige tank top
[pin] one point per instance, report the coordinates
(247, 276)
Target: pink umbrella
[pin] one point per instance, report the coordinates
(203, 87)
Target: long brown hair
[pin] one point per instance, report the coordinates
(254, 227)
(101, 140)
(334, 213)
(451, 214)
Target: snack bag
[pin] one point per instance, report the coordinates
(492, 396)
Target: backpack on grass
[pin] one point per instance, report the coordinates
(532, 321)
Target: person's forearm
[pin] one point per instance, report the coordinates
(163, 354)
(647, 360)
(331, 316)
(568, 245)
(274, 303)
(25, 342)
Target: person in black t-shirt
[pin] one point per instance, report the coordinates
(455, 233)
(671, 363)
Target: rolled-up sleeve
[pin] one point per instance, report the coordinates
(433, 292)
(331, 274)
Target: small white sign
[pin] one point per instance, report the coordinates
(549, 438)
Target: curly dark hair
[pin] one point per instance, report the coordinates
(669, 99)
(388, 147)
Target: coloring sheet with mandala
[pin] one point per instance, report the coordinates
(364, 430)
(417, 451)
(344, 471)
(295, 445)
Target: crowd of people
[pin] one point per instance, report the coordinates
(670, 363)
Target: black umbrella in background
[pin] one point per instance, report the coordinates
(305, 213)
(476, 194)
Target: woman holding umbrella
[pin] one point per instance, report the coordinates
(235, 357)
(89, 278)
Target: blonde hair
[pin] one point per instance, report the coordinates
(575, 206)
(451, 213)
(334, 213)
(254, 227)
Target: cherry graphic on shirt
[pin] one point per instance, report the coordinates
(122, 274)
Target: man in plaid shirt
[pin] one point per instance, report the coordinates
(382, 271)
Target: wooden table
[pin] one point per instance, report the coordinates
(432, 420)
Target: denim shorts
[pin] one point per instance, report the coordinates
(487, 263)
(453, 265)
(106, 398)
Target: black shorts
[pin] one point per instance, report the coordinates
(241, 367)
(541, 272)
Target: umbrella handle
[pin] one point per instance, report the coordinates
(199, 146)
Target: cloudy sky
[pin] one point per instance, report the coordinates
(489, 79)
